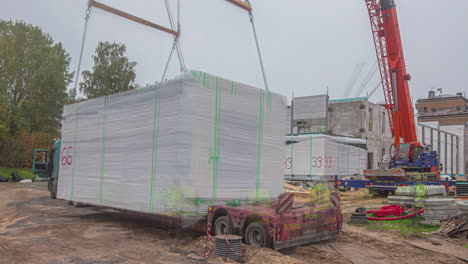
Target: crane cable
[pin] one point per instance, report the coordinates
(87, 16)
(176, 38)
(258, 46)
(175, 43)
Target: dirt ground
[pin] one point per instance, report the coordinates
(37, 229)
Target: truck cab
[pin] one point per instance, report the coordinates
(414, 157)
(46, 165)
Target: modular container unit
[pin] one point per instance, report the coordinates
(175, 147)
(318, 155)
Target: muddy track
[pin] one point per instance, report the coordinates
(36, 229)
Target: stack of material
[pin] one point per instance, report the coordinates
(462, 207)
(438, 209)
(322, 155)
(175, 147)
(405, 195)
(455, 226)
(294, 189)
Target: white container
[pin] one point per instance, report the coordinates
(323, 155)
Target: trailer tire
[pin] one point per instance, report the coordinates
(256, 235)
(221, 226)
(53, 189)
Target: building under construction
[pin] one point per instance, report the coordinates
(360, 118)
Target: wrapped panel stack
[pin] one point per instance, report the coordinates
(316, 155)
(175, 147)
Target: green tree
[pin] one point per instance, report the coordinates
(112, 72)
(34, 74)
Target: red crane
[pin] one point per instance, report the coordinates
(389, 50)
(411, 163)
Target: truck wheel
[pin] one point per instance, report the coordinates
(256, 235)
(53, 189)
(221, 226)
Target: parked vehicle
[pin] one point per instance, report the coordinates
(277, 223)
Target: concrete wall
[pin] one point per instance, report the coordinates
(362, 119)
(310, 114)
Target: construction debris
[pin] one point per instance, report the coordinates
(293, 188)
(25, 181)
(15, 176)
(455, 226)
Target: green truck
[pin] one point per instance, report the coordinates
(44, 166)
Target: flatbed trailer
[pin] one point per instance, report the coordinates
(264, 225)
(386, 184)
(277, 223)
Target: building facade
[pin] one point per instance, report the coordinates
(446, 109)
(359, 118)
(449, 113)
(354, 117)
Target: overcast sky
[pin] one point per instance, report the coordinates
(307, 45)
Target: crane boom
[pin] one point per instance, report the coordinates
(389, 51)
(411, 163)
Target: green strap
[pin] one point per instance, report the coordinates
(269, 101)
(310, 156)
(233, 88)
(155, 146)
(259, 145)
(74, 154)
(359, 161)
(339, 149)
(214, 152)
(103, 151)
(347, 165)
(195, 74)
(205, 80)
(292, 154)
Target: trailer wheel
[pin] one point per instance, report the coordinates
(53, 189)
(256, 235)
(221, 226)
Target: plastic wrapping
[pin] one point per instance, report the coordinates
(176, 147)
(323, 155)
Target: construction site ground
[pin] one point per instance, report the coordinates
(37, 229)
